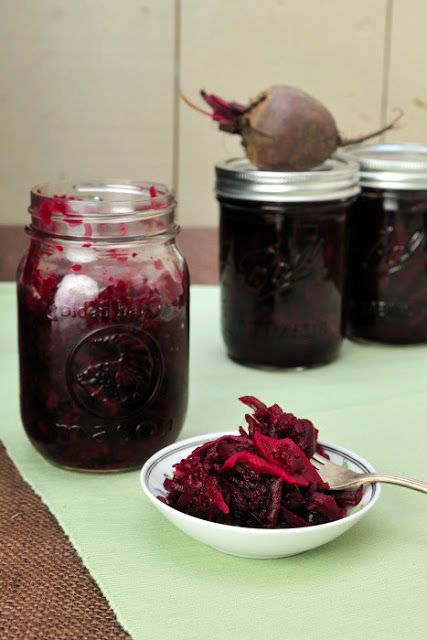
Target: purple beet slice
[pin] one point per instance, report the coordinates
(264, 467)
(193, 491)
(349, 497)
(288, 456)
(323, 508)
(291, 519)
(254, 499)
(275, 423)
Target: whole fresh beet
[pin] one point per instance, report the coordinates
(298, 132)
(283, 129)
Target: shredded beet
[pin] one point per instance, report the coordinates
(58, 205)
(110, 357)
(387, 268)
(274, 422)
(289, 456)
(261, 479)
(263, 467)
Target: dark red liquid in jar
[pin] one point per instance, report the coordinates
(282, 276)
(103, 342)
(387, 270)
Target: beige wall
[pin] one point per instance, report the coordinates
(88, 87)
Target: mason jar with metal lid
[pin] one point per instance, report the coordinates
(282, 252)
(386, 297)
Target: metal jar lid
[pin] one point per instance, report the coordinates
(392, 166)
(335, 179)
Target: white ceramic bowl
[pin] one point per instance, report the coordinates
(244, 541)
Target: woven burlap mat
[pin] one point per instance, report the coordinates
(45, 591)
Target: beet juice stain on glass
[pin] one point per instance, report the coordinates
(387, 283)
(282, 246)
(103, 324)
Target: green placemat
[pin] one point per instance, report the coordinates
(370, 583)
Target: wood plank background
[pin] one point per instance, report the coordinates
(89, 89)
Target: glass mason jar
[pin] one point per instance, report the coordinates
(387, 271)
(103, 324)
(282, 252)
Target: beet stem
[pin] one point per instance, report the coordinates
(194, 106)
(254, 104)
(343, 142)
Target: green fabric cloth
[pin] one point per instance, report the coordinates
(370, 583)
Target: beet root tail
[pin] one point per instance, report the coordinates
(345, 142)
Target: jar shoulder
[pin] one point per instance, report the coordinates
(88, 269)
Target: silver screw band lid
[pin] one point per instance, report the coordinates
(392, 166)
(335, 179)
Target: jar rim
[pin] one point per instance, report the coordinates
(109, 208)
(109, 197)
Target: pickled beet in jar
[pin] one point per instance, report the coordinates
(103, 324)
(387, 270)
(282, 252)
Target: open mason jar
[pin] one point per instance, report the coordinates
(103, 324)
(387, 269)
(282, 252)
